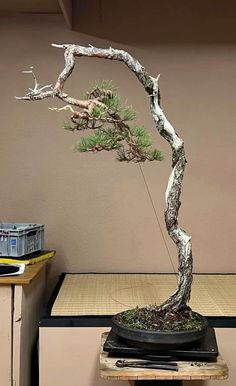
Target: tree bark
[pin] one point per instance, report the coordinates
(181, 296)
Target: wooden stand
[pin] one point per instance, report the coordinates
(150, 377)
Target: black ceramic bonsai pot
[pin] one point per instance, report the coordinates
(142, 338)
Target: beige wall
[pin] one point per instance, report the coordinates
(81, 346)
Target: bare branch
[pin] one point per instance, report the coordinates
(67, 107)
(38, 90)
(42, 95)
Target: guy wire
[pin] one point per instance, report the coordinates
(156, 215)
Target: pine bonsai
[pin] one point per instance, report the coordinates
(113, 129)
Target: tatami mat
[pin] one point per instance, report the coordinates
(107, 294)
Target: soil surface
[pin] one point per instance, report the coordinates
(152, 318)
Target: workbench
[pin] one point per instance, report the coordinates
(21, 302)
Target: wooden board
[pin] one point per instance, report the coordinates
(187, 370)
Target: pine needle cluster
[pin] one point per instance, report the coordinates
(110, 122)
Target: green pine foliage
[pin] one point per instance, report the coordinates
(156, 155)
(68, 125)
(112, 101)
(142, 137)
(100, 140)
(110, 122)
(128, 114)
(103, 85)
(99, 112)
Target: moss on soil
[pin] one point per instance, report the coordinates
(152, 318)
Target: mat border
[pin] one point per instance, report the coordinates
(49, 320)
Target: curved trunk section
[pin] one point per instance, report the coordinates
(179, 299)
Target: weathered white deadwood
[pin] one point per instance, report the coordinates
(180, 297)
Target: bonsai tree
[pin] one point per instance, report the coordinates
(101, 111)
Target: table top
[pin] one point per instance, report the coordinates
(31, 271)
(187, 370)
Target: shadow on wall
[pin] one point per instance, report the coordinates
(159, 21)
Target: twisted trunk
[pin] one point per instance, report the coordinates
(180, 297)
